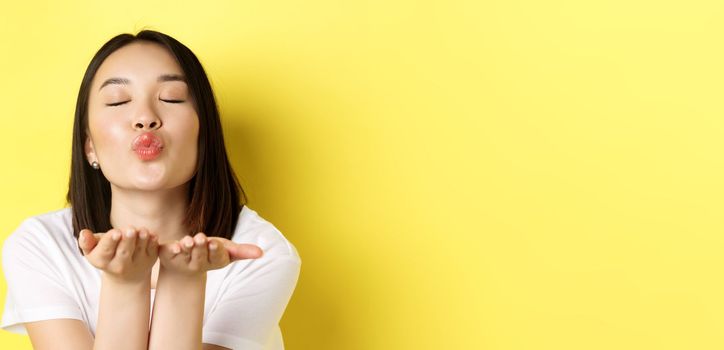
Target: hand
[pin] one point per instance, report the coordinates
(200, 254)
(120, 253)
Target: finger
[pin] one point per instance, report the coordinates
(186, 244)
(215, 253)
(108, 243)
(127, 245)
(218, 256)
(168, 250)
(200, 254)
(152, 247)
(141, 244)
(176, 248)
(86, 241)
(242, 251)
(96, 238)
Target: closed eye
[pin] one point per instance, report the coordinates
(120, 103)
(115, 104)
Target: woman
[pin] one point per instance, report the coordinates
(156, 218)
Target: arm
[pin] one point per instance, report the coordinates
(178, 308)
(123, 314)
(125, 261)
(178, 311)
(122, 322)
(37, 296)
(35, 286)
(44, 334)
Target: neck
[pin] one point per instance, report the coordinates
(161, 212)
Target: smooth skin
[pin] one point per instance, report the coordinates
(131, 259)
(124, 258)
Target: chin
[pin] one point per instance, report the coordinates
(149, 187)
(156, 185)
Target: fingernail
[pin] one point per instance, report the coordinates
(116, 236)
(130, 232)
(176, 249)
(212, 246)
(143, 235)
(82, 239)
(189, 244)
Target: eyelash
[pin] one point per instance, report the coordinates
(120, 103)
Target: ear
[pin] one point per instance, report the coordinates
(89, 149)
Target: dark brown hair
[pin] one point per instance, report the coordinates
(215, 196)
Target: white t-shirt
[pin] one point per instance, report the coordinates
(48, 278)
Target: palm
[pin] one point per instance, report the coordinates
(196, 255)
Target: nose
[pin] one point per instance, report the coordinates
(147, 123)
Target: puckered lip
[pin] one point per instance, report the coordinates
(147, 140)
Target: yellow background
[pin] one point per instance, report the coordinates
(455, 174)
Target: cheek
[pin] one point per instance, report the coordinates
(190, 131)
(189, 149)
(192, 143)
(106, 134)
(97, 127)
(184, 134)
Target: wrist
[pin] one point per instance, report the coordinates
(183, 276)
(132, 284)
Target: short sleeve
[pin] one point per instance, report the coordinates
(35, 288)
(252, 304)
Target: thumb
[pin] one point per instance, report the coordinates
(244, 251)
(87, 240)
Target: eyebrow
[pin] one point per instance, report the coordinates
(161, 78)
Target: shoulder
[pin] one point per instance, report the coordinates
(253, 228)
(49, 231)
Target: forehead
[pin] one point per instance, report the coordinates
(140, 62)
